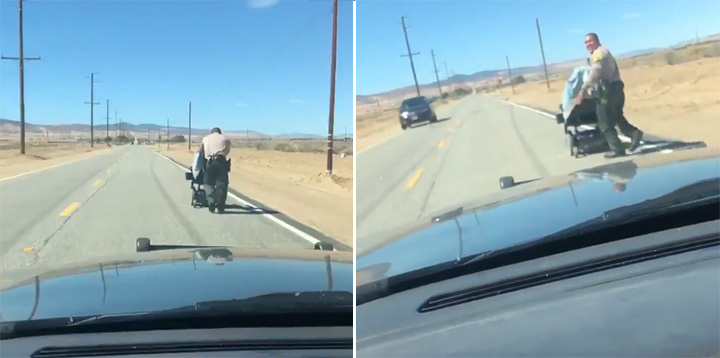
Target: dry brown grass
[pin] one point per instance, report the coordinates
(39, 155)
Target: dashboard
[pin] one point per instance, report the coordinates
(665, 306)
(226, 342)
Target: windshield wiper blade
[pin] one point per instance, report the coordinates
(275, 303)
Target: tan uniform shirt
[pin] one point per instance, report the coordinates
(216, 143)
(603, 67)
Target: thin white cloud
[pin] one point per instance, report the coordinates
(631, 16)
(259, 4)
(575, 31)
(240, 104)
(297, 101)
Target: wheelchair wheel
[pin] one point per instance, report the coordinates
(573, 145)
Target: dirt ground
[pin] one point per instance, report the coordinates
(680, 101)
(42, 156)
(294, 184)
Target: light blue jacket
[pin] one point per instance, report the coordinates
(573, 87)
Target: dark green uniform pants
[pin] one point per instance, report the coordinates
(216, 176)
(610, 114)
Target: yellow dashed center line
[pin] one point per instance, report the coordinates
(441, 144)
(70, 209)
(414, 179)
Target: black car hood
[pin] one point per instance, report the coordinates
(153, 281)
(532, 210)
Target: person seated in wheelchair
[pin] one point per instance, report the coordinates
(215, 147)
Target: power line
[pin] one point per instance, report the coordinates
(92, 104)
(21, 64)
(410, 55)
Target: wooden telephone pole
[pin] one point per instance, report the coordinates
(21, 63)
(92, 104)
(331, 117)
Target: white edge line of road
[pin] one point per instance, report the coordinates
(622, 137)
(285, 225)
(46, 168)
(378, 143)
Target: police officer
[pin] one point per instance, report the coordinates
(215, 148)
(605, 78)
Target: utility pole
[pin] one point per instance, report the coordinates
(447, 76)
(117, 128)
(437, 78)
(92, 104)
(542, 51)
(21, 64)
(107, 118)
(167, 140)
(189, 124)
(510, 74)
(410, 55)
(331, 116)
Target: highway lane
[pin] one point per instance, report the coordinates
(437, 167)
(99, 206)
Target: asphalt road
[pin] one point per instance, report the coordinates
(99, 206)
(432, 168)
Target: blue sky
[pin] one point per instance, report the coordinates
(476, 35)
(257, 64)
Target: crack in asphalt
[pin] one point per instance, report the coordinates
(529, 152)
(184, 222)
(36, 253)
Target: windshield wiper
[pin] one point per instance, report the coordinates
(285, 309)
(275, 303)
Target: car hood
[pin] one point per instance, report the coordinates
(532, 210)
(159, 280)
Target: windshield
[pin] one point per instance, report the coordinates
(538, 127)
(190, 123)
(414, 102)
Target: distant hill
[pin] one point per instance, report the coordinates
(553, 68)
(298, 135)
(8, 126)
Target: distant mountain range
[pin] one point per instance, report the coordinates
(8, 126)
(459, 79)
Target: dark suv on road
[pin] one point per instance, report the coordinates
(416, 109)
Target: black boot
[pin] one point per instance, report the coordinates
(636, 138)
